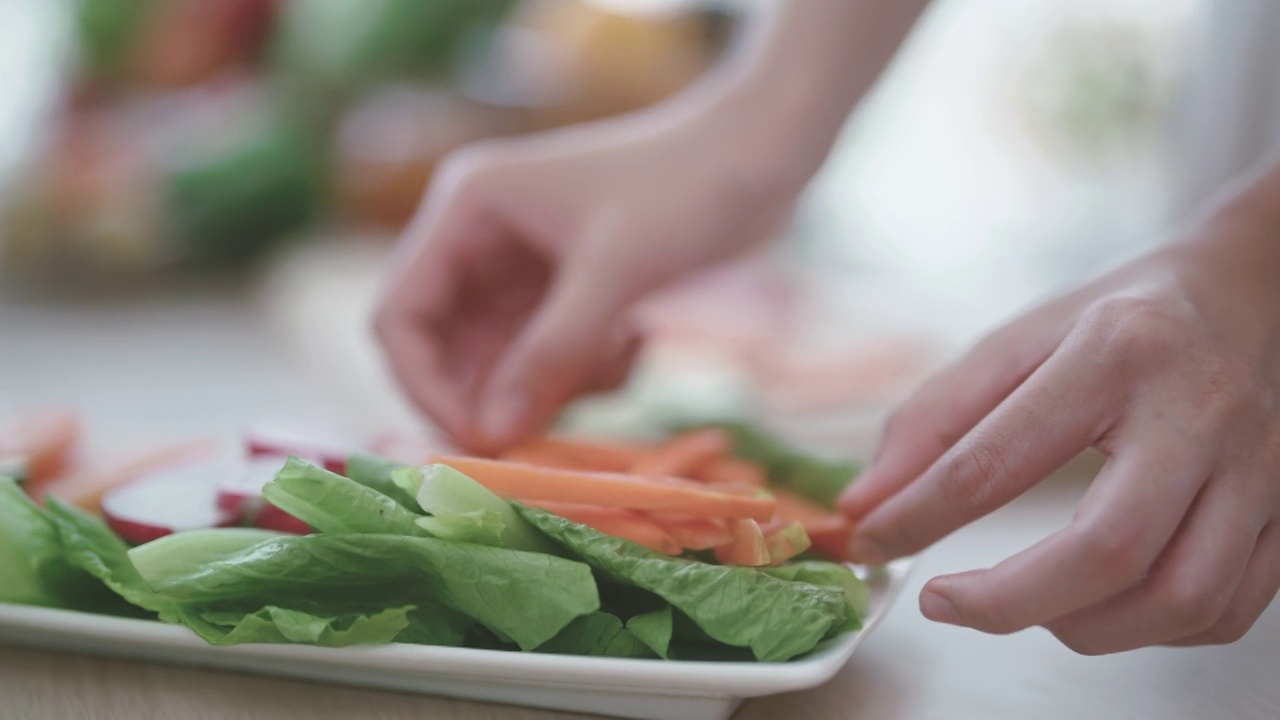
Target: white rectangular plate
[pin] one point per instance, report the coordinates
(643, 689)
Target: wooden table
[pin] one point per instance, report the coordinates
(203, 364)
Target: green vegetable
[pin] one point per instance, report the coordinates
(463, 509)
(527, 597)
(654, 630)
(857, 595)
(331, 503)
(821, 480)
(107, 29)
(600, 634)
(375, 472)
(279, 625)
(188, 552)
(31, 559)
(88, 544)
(737, 606)
(229, 206)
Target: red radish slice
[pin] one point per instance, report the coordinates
(164, 503)
(271, 517)
(406, 449)
(240, 495)
(324, 448)
(240, 490)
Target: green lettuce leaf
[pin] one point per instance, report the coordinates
(30, 551)
(598, 634)
(482, 527)
(375, 472)
(654, 630)
(819, 479)
(857, 595)
(527, 597)
(279, 625)
(777, 619)
(89, 545)
(34, 567)
(331, 503)
(463, 509)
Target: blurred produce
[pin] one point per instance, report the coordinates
(566, 61)
(198, 134)
(388, 145)
(170, 43)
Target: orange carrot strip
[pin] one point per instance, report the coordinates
(681, 455)
(625, 524)
(578, 454)
(45, 441)
(515, 480)
(693, 532)
(85, 489)
(733, 471)
(829, 531)
(748, 547)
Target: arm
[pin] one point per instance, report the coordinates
(1170, 366)
(519, 271)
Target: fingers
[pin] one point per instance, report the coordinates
(1048, 420)
(1258, 587)
(1185, 592)
(423, 290)
(616, 369)
(949, 405)
(1137, 503)
(580, 326)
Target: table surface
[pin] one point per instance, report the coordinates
(130, 366)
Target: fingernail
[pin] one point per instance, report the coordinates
(504, 414)
(938, 608)
(865, 551)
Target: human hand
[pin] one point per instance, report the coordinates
(515, 281)
(1168, 367)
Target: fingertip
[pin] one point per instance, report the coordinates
(865, 550)
(936, 606)
(504, 415)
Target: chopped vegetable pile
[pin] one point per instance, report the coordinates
(718, 543)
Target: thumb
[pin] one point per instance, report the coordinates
(582, 326)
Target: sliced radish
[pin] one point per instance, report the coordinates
(325, 448)
(406, 449)
(240, 494)
(240, 490)
(271, 517)
(163, 503)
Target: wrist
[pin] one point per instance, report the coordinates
(1232, 260)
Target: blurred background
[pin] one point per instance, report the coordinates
(197, 196)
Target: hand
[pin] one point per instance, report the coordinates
(517, 276)
(1168, 367)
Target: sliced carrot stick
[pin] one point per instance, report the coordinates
(681, 455)
(748, 547)
(737, 488)
(693, 532)
(516, 480)
(625, 524)
(731, 470)
(578, 454)
(85, 489)
(786, 543)
(829, 531)
(44, 441)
